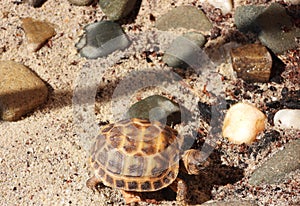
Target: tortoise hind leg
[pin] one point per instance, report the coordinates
(180, 187)
(130, 197)
(93, 182)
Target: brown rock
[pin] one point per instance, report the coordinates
(21, 90)
(252, 62)
(37, 32)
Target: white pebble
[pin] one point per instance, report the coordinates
(242, 123)
(224, 5)
(287, 119)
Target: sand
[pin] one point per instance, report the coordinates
(42, 160)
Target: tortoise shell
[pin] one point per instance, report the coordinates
(136, 155)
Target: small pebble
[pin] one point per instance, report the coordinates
(287, 119)
(225, 5)
(81, 2)
(252, 62)
(35, 3)
(102, 38)
(157, 108)
(242, 123)
(116, 9)
(187, 17)
(37, 32)
(21, 90)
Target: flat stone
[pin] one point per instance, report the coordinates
(229, 203)
(252, 62)
(182, 51)
(157, 108)
(279, 35)
(275, 169)
(287, 119)
(187, 17)
(81, 2)
(21, 90)
(101, 39)
(116, 9)
(37, 32)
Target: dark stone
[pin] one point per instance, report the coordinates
(117, 9)
(101, 39)
(157, 108)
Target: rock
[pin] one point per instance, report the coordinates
(116, 9)
(278, 166)
(245, 16)
(35, 3)
(183, 50)
(187, 17)
(158, 108)
(278, 35)
(242, 123)
(295, 2)
(102, 38)
(229, 203)
(81, 2)
(37, 32)
(252, 62)
(225, 5)
(287, 119)
(21, 90)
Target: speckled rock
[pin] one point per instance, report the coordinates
(252, 62)
(156, 107)
(287, 119)
(37, 32)
(278, 166)
(187, 17)
(81, 2)
(21, 90)
(35, 3)
(277, 34)
(101, 39)
(116, 9)
(183, 49)
(242, 123)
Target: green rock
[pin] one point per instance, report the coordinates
(158, 108)
(116, 9)
(279, 165)
(187, 17)
(101, 39)
(183, 51)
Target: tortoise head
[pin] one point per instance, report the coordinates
(195, 161)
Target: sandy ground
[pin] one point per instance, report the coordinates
(42, 161)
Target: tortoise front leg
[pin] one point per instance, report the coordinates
(130, 197)
(180, 187)
(92, 182)
(195, 160)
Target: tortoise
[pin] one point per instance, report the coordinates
(136, 155)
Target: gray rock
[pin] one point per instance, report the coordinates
(37, 32)
(272, 25)
(116, 9)
(279, 165)
(277, 34)
(35, 3)
(187, 17)
(252, 62)
(21, 90)
(81, 2)
(102, 38)
(182, 53)
(230, 203)
(157, 108)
